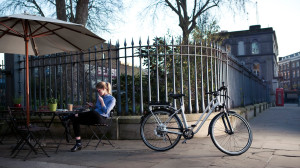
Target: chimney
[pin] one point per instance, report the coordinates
(254, 27)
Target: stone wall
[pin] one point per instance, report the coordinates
(128, 127)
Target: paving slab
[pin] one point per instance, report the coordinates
(276, 135)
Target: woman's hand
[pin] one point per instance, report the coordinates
(100, 98)
(89, 104)
(101, 101)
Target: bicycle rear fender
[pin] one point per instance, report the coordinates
(212, 121)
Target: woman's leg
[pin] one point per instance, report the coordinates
(84, 119)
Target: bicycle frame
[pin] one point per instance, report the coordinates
(208, 110)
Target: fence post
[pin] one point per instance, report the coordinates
(133, 87)
(118, 78)
(126, 81)
(149, 72)
(173, 70)
(141, 79)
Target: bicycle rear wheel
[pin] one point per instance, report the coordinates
(233, 142)
(161, 131)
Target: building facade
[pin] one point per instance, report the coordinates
(257, 49)
(289, 72)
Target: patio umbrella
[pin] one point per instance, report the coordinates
(40, 36)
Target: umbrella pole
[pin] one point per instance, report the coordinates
(27, 86)
(27, 72)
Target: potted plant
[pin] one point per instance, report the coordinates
(52, 104)
(17, 101)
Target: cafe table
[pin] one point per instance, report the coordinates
(60, 113)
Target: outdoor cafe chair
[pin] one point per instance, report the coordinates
(29, 135)
(100, 131)
(6, 125)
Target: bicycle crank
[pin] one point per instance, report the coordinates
(188, 134)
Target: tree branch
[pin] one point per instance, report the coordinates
(172, 7)
(38, 8)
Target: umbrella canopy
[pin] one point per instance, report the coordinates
(46, 35)
(36, 35)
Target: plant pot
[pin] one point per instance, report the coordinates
(17, 105)
(52, 107)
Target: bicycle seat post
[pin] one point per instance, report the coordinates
(183, 113)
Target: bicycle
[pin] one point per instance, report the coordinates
(161, 128)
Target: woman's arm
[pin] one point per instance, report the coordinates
(108, 106)
(101, 101)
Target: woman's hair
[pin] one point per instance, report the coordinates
(104, 85)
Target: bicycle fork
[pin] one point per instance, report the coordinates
(227, 123)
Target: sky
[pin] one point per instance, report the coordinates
(281, 15)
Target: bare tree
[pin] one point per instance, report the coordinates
(95, 14)
(188, 11)
(61, 10)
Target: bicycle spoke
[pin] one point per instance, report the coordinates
(163, 135)
(233, 143)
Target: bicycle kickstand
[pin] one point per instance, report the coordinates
(184, 141)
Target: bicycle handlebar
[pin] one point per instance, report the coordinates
(216, 93)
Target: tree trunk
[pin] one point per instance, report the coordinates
(61, 10)
(82, 12)
(185, 30)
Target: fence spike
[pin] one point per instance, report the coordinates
(148, 41)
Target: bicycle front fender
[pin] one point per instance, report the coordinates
(212, 121)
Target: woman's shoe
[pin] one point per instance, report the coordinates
(76, 147)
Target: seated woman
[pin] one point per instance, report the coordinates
(104, 104)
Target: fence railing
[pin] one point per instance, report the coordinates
(2, 85)
(143, 73)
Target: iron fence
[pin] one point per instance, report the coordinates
(2, 85)
(140, 74)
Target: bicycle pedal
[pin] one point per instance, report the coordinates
(184, 141)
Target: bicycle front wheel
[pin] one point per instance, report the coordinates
(161, 130)
(233, 141)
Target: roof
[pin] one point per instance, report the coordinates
(294, 56)
(253, 30)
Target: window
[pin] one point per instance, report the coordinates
(294, 74)
(280, 68)
(293, 65)
(228, 49)
(298, 73)
(254, 47)
(256, 69)
(59, 69)
(297, 64)
(241, 48)
(36, 72)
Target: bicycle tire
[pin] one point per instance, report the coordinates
(234, 143)
(156, 136)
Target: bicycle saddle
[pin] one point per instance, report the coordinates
(159, 104)
(176, 96)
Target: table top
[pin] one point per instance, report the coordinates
(63, 111)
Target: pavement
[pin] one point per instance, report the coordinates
(276, 143)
